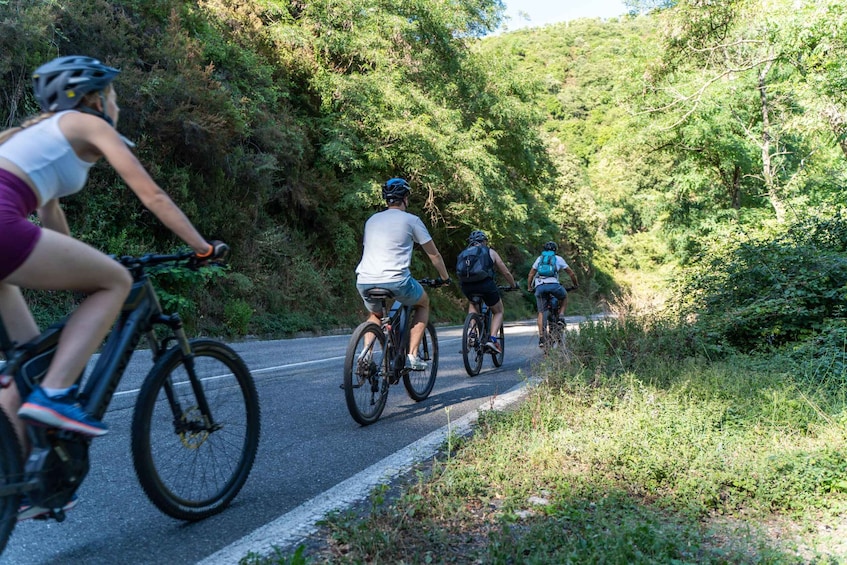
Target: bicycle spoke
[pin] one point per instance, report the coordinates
(365, 368)
(190, 465)
(419, 384)
(472, 346)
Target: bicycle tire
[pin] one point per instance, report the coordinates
(366, 383)
(497, 358)
(173, 452)
(552, 332)
(472, 353)
(419, 383)
(11, 470)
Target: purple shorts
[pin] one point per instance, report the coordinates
(18, 235)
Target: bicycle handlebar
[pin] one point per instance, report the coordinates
(143, 262)
(434, 283)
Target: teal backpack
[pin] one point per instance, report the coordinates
(547, 265)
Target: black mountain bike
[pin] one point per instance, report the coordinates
(376, 359)
(476, 333)
(195, 429)
(552, 324)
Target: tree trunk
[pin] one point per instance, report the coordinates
(767, 166)
(735, 190)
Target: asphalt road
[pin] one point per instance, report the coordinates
(310, 445)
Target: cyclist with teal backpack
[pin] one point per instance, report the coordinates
(544, 277)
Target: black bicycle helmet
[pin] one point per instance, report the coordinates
(550, 246)
(477, 236)
(61, 83)
(395, 189)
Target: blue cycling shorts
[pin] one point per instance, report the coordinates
(408, 292)
(542, 291)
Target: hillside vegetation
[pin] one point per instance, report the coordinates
(689, 147)
(694, 153)
(273, 123)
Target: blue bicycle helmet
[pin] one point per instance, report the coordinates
(395, 189)
(550, 246)
(477, 236)
(62, 83)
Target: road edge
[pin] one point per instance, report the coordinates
(292, 528)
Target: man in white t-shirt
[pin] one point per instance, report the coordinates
(390, 237)
(548, 285)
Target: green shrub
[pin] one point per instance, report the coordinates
(237, 316)
(757, 292)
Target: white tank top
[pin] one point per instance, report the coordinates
(46, 156)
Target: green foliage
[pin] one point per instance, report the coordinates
(632, 142)
(176, 287)
(683, 459)
(753, 293)
(237, 316)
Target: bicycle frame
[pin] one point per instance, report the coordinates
(485, 312)
(28, 363)
(140, 313)
(396, 326)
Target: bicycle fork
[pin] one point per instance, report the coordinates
(193, 423)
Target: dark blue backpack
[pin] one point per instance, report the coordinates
(474, 264)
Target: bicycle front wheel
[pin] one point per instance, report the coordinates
(497, 358)
(366, 366)
(10, 472)
(472, 345)
(195, 430)
(419, 383)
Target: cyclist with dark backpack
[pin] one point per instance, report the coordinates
(544, 277)
(475, 267)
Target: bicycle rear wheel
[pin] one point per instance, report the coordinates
(419, 383)
(497, 358)
(195, 430)
(10, 472)
(366, 366)
(472, 352)
(552, 332)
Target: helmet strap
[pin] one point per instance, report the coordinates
(93, 112)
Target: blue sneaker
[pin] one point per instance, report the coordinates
(27, 511)
(63, 412)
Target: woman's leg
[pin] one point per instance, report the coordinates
(59, 262)
(21, 327)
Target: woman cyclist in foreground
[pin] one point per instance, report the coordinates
(46, 159)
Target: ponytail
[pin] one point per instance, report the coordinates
(7, 134)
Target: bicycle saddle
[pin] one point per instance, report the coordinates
(379, 293)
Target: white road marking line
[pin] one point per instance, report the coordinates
(292, 528)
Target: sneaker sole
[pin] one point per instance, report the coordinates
(36, 511)
(44, 416)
